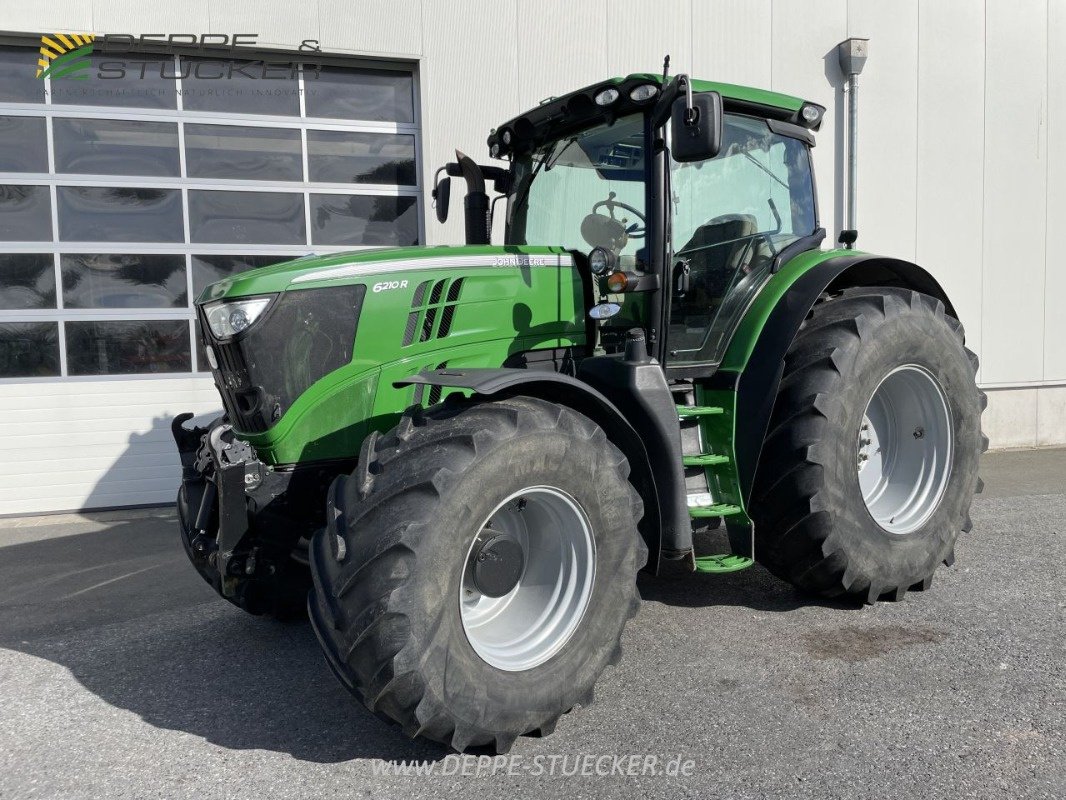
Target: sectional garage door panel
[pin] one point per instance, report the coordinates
(121, 200)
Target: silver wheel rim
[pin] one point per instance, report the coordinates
(532, 622)
(905, 446)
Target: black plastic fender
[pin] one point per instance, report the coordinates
(581, 397)
(757, 385)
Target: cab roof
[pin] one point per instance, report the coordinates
(556, 116)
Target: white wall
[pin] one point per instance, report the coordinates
(93, 443)
(962, 162)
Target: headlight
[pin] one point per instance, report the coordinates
(606, 97)
(601, 261)
(645, 91)
(227, 319)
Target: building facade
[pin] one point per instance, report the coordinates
(117, 207)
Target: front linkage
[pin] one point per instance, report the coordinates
(236, 520)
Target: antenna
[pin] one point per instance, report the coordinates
(666, 68)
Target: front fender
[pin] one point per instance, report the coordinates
(580, 396)
(754, 360)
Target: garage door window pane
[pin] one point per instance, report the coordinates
(246, 217)
(124, 281)
(25, 214)
(355, 94)
(119, 214)
(231, 151)
(340, 157)
(116, 147)
(339, 219)
(29, 349)
(210, 268)
(18, 65)
(128, 80)
(23, 144)
(27, 280)
(239, 87)
(127, 348)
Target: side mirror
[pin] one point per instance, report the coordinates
(696, 130)
(441, 195)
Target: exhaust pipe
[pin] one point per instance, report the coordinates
(476, 203)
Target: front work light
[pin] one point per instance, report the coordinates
(811, 115)
(601, 261)
(646, 91)
(227, 319)
(606, 97)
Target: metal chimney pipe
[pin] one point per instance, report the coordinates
(852, 54)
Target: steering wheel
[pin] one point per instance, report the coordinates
(606, 230)
(634, 230)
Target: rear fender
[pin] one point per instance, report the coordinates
(754, 362)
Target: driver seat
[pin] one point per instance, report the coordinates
(722, 243)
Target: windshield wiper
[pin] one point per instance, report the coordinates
(763, 167)
(521, 197)
(554, 157)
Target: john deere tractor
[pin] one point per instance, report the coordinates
(457, 459)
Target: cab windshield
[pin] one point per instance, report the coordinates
(584, 191)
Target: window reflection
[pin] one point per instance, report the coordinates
(27, 280)
(23, 144)
(339, 219)
(123, 281)
(119, 214)
(246, 217)
(239, 88)
(243, 153)
(128, 80)
(344, 157)
(116, 147)
(29, 349)
(127, 347)
(25, 213)
(359, 94)
(206, 269)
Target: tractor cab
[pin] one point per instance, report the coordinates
(684, 185)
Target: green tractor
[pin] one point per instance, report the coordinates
(457, 459)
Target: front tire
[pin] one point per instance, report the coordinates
(870, 462)
(394, 607)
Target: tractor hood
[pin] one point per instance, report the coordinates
(386, 264)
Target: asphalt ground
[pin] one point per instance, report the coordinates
(122, 675)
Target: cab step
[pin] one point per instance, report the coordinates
(717, 510)
(704, 460)
(699, 411)
(722, 564)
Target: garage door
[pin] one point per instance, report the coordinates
(120, 199)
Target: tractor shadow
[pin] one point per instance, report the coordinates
(119, 607)
(755, 588)
(111, 598)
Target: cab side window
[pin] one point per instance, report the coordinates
(731, 215)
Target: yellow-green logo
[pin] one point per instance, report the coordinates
(65, 55)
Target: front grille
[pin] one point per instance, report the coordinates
(303, 336)
(235, 386)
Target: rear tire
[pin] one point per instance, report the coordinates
(390, 568)
(813, 526)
